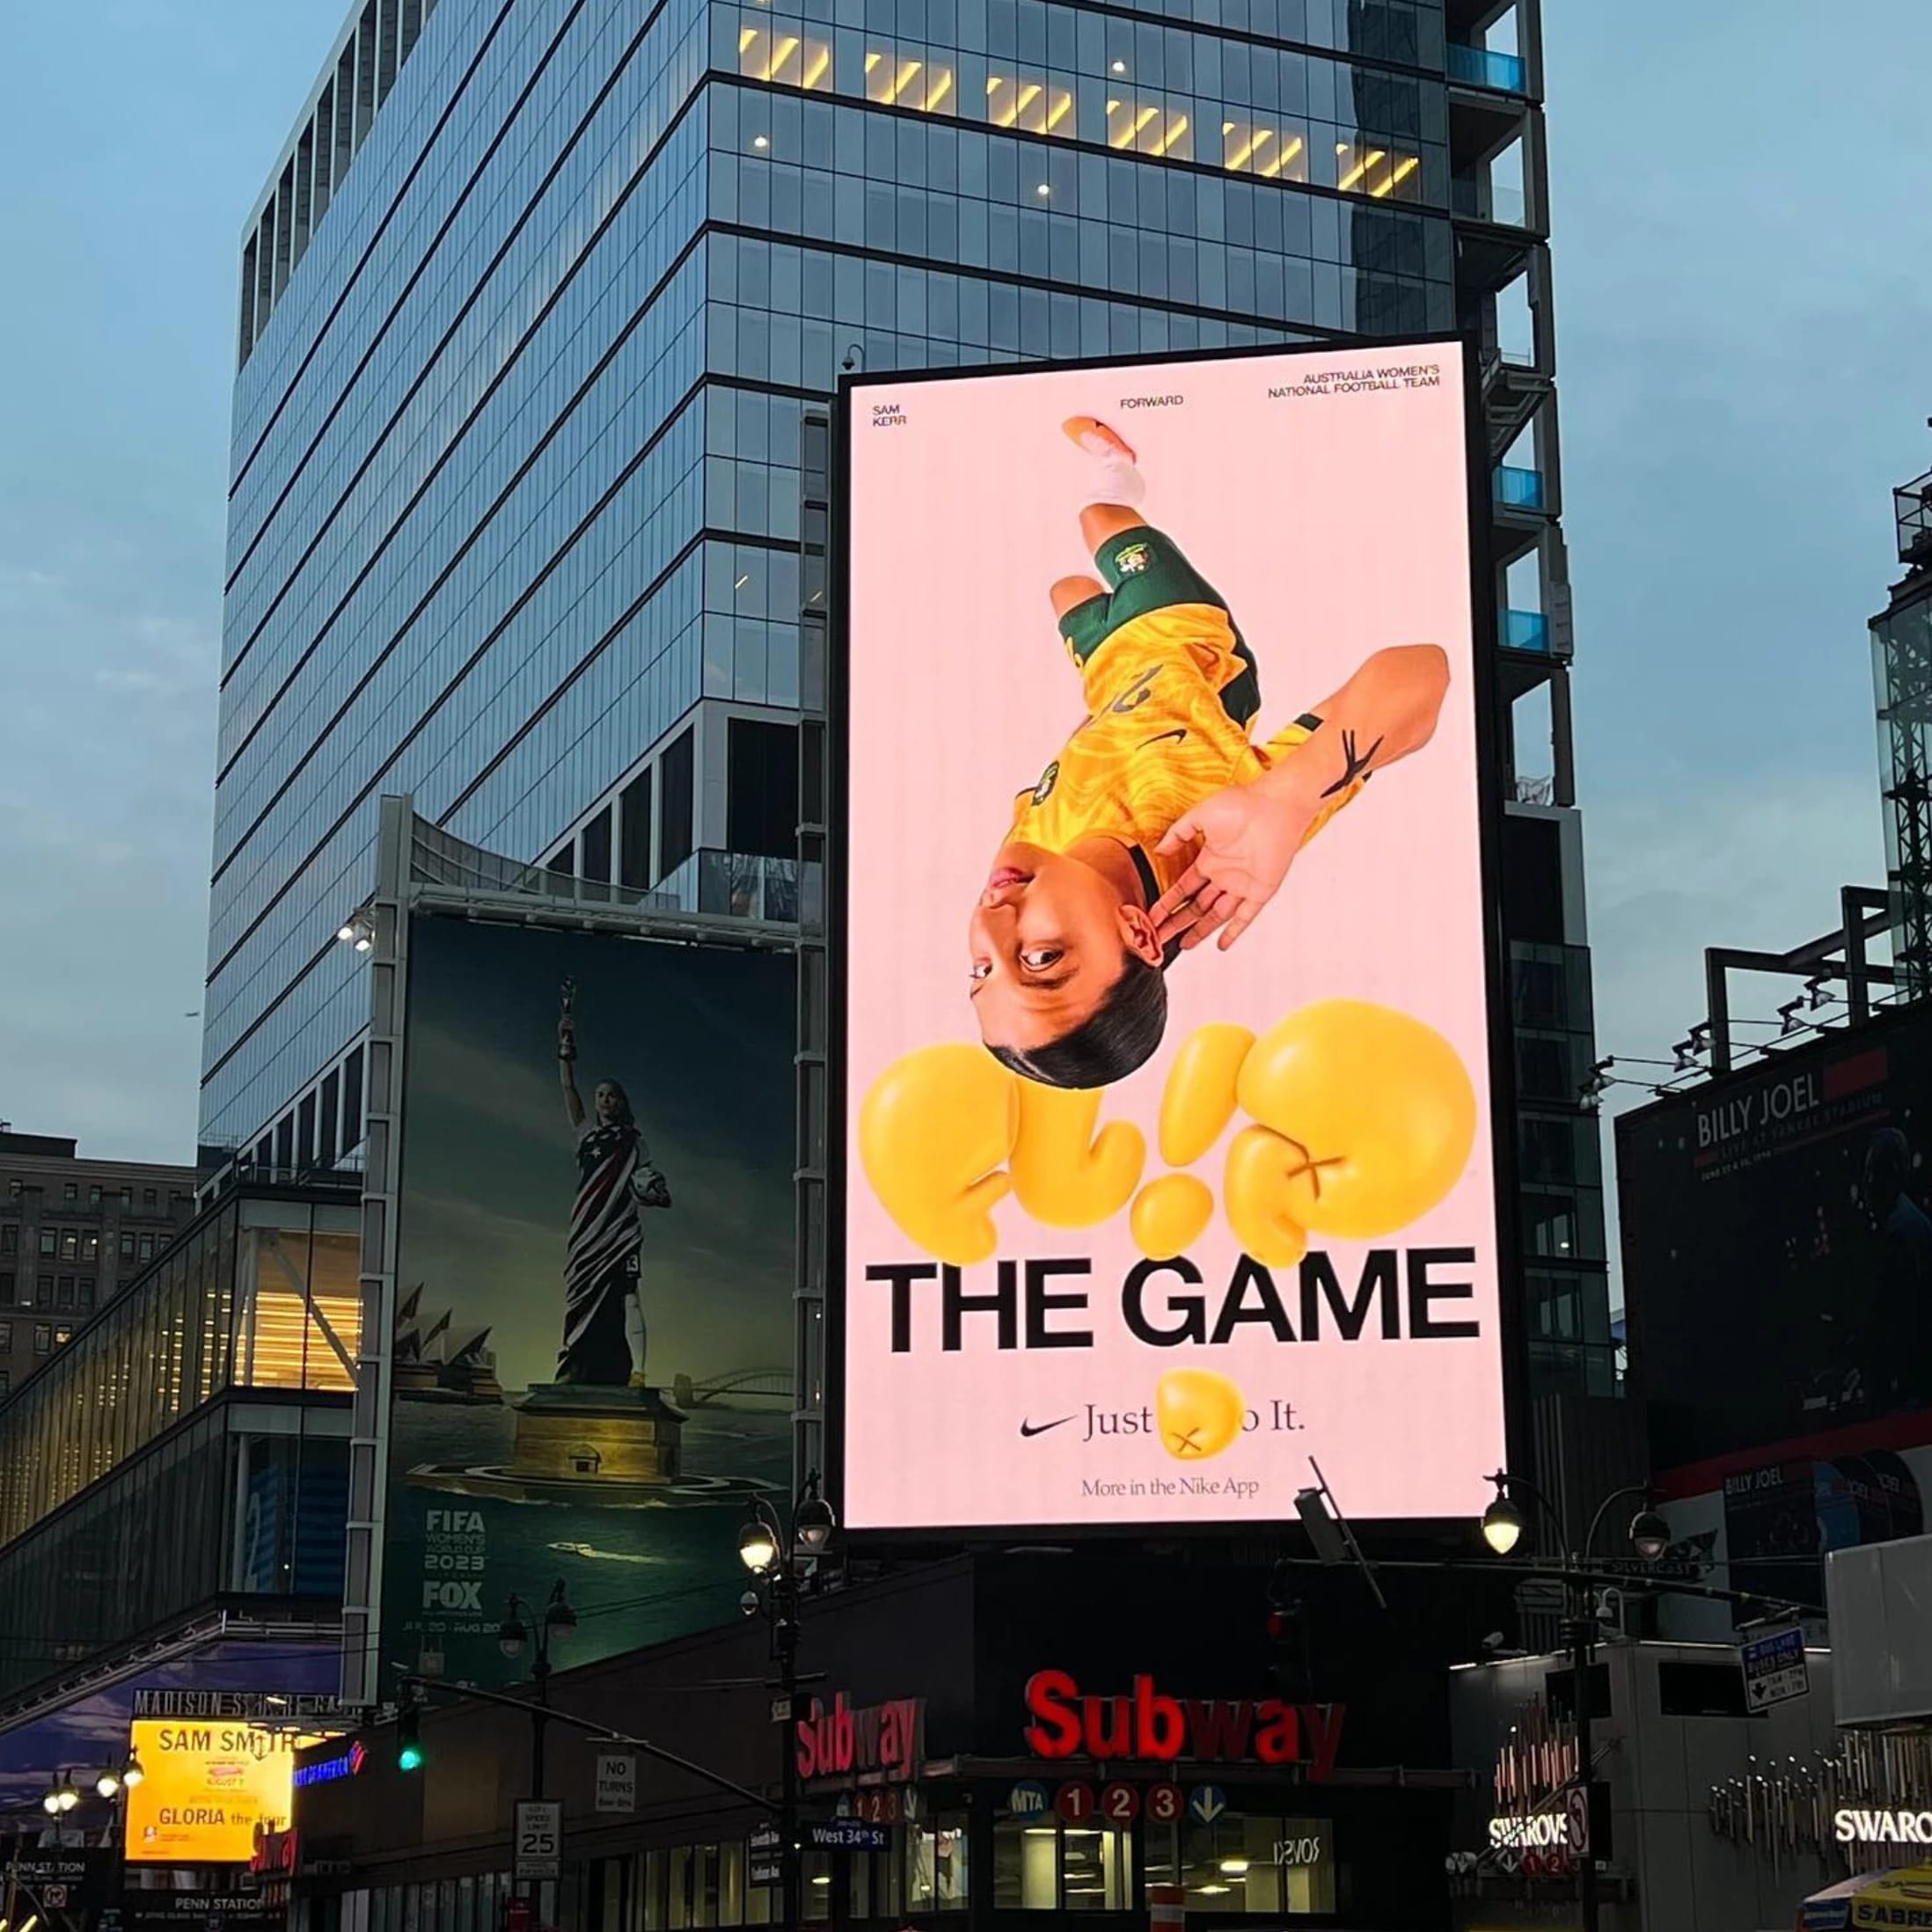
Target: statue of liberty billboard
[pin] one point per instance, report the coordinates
(590, 1380)
(603, 1330)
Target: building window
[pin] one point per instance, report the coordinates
(63, 1292)
(50, 1241)
(43, 1292)
(761, 806)
(63, 1334)
(1281, 1867)
(87, 1294)
(6, 1337)
(147, 1248)
(329, 1124)
(127, 1245)
(69, 1245)
(305, 1131)
(1041, 1866)
(43, 1339)
(71, 1193)
(90, 1245)
(597, 849)
(13, 1191)
(677, 776)
(126, 1199)
(352, 1101)
(936, 1880)
(6, 1293)
(149, 1200)
(93, 1197)
(634, 833)
(6, 1381)
(10, 1239)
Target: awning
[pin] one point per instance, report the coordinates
(1899, 1900)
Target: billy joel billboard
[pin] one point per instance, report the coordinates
(1165, 998)
(593, 1345)
(1778, 1252)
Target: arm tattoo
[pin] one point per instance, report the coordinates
(1353, 766)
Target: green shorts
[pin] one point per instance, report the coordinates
(1145, 571)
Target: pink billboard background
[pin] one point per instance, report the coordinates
(1334, 523)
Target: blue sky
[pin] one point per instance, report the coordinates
(1743, 305)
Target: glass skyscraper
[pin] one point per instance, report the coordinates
(531, 305)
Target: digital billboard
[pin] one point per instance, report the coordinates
(1164, 958)
(1777, 1259)
(593, 1344)
(206, 1785)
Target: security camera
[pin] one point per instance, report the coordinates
(748, 1604)
(1494, 1641)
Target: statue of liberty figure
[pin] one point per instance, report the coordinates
(604, 1333)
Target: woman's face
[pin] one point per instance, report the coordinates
(610, 1103)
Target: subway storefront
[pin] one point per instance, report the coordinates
(976, 1743)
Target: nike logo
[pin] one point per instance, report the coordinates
(1161, 738)
(1040, 1428)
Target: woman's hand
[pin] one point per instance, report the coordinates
(1248, 836)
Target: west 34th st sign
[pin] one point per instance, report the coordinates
(1148, 1724)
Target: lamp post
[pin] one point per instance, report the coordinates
(511, 1638)
(1650, 1537)
(777, 1558)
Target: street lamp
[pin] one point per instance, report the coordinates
(1649, 1535)
(1502, 1521)
(512, 1635)
(777, 1558)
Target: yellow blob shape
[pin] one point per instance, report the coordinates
(1380, 1102)
(1258, 1190)
(1170, 1215)
(1064, 1175)
(933, 1134)
(1202, 1090)
(1198, 1413)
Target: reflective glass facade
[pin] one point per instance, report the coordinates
(189, 1442)
(515, 503)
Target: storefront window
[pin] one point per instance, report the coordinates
(1246, 1863)
(730, 1885)
(652, 1913)
(938, 1877)
(678, 1875)
(1049, 1868)
(817, 1871)
(1026, 1867)
(704, 1886)
(1096, 1865)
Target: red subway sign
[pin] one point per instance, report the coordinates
(1148, 1724)
(880, 1738)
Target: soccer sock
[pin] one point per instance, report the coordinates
(633, 1331)
(1116, 478)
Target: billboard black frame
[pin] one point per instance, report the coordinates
(1492, 735)
(1882, 1027)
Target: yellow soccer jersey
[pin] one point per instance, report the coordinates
(1157, 740)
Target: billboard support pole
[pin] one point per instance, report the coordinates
(368, 1440)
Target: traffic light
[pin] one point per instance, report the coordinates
(408, 1732)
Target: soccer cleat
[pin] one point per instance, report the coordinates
(1116, 478)
(1097, 439)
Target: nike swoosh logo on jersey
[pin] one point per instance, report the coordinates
(1040, 1428)
(1160, 737)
